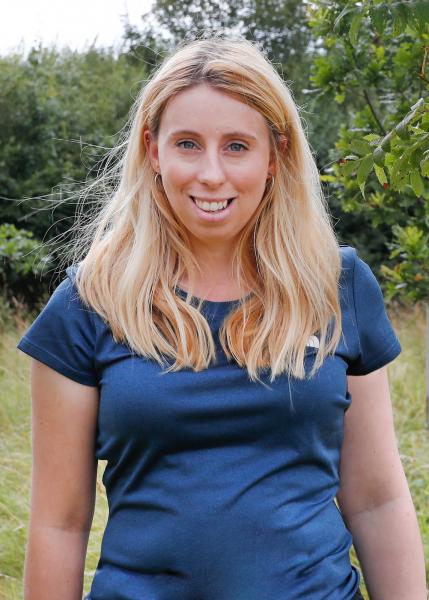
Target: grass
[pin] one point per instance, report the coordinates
(407, 387)
(15, 466)
(407, 384)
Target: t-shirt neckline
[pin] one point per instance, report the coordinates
(213, 303)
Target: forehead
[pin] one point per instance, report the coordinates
(206, 108)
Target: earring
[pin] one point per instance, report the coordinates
(272, 179)
(156, 179)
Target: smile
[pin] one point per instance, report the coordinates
(212, 205)
(214, 211)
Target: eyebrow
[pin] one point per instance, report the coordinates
(239, 134)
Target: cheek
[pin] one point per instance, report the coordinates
(254, 170)
(174, 170)
(175, 175)
(253, 180)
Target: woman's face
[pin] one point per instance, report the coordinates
(211, 148)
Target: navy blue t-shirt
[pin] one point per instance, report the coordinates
(219, 488)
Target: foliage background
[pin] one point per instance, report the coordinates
(374, 64)
(356, 70)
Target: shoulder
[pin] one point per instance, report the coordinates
(66, 297)
(71, 272)
(63, 336)
(65, 308)
(348, 256)
(358, 275)
(366, 325)
(355, 272)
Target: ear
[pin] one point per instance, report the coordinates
(272, 166)
(151, 145)
(283, 144)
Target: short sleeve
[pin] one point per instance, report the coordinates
(377, 341)
(63, 336)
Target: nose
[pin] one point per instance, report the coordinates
(210, 169)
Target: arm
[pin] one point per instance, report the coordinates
(374, 497)
(64, 415)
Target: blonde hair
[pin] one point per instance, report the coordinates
(135, 251)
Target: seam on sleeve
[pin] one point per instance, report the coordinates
(354, 301)
(53, 361)
(94, 341)
(388, 355)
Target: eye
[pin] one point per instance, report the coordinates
(236, 146)
(188, 144)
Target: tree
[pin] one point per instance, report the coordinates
(19, 266)
(60, 111)
(374, 64)
(279, 26)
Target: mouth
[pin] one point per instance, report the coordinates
(229, 201)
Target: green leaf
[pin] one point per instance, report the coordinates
(416, 130)
(421, 12)
(416, 183)
(378, 18)
(354, 28)
(424, 165)
(379, 156)
(349, 167)
(343, 13)
(398, 174)
(415, 157)
(372, 137)
(365, 168)
(360, 147)
(400, 18)
(340, 97)
(381, 175)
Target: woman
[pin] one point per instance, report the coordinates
(213, 263)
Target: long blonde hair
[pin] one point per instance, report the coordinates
(134, 251)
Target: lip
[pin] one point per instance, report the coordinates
(206, 216)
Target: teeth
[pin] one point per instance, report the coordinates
(211, 206)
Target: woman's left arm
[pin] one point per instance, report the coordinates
(374, 498)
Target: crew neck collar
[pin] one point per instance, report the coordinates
(213, 303)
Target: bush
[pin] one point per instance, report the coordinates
(22, 260)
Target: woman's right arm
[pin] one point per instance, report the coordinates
(64, 420)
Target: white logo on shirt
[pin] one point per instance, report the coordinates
(313, 341)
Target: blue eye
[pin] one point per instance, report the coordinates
(238, 144)
(190, 145)
(186, 142)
